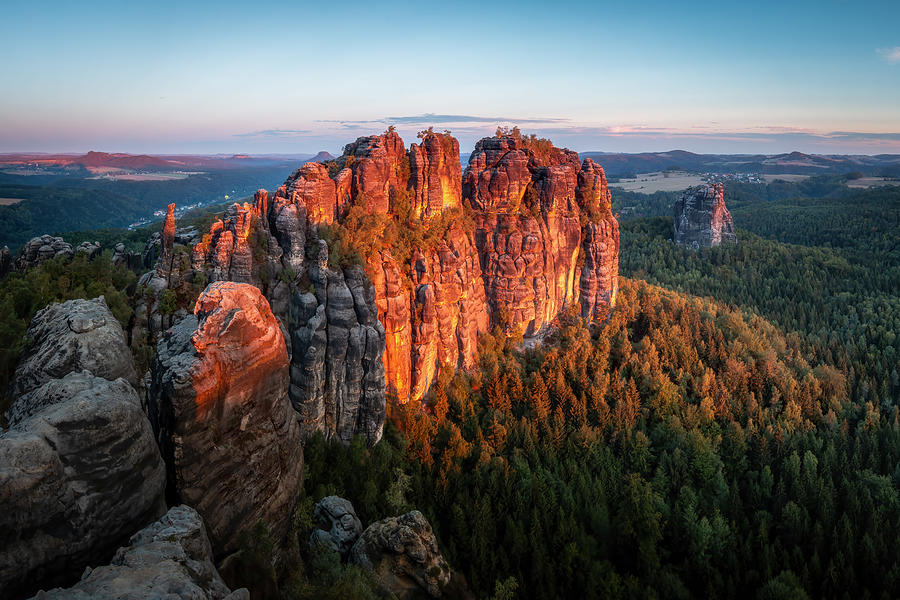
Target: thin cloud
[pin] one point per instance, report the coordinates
(431, 118)
(892, 55)
(274, 133)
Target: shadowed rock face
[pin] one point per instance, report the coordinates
(337, 376)
(525, 232)
(701, 218)
(404, 555)
(71, 336)
(220, 409)
(79, 468)
(41, 249)
(170, 558)
(338, 525)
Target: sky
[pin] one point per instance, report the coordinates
(299, 77)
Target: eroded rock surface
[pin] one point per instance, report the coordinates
(338, 525)
(170, 558)
(702, 219)
(73, 336)
(41, 249)
(524, 233)
(536, 210)
(90, 249)
(220, 408)
(404, 555)
(80, 470)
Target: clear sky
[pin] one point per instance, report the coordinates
(295, 77)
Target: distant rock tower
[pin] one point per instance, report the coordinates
(701, 218)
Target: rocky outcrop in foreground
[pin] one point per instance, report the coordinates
(219, 406)
(404, 555)
(524, 233)
(338, 525)
(74, 335)
(171, 558)
(79, 468)
(701, 218)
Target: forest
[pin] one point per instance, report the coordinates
(731, 430)
(69, 204)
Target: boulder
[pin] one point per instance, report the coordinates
(170, 558)
(404, 555)
(73, 336)
(79, 473)
(91, 249)
(40, 249)
(338, 525)
(219, 406)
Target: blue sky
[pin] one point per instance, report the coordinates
(298, 77)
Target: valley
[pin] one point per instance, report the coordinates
(694, 377)
(449, 301)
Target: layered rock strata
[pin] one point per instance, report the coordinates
(81, 470)
(41, 249)
(526, 232)
(219, 406)
(701, 218)
(73, 336)
(338, 527)
(536, 212)
(170, 558)
(404, 555)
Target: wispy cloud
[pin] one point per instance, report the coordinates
(432, 119)
(274, 133)
(892, 55)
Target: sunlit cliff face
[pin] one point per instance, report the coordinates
(239, 344)
(524, 233)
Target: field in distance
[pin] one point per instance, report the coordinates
(867, 182)
(660, 181)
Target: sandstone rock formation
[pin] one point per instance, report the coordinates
(226, 253)
(127, 259)
(404, 555)
(536, 209)
(436, 173)
(90, 249)
(169, 254)
(338, 525)
(170, 558)
(524, 233)
(337, 376)
(74, 335)
(41, 249)
(380, 168)
(701, 218)
(5, 261)
(219, 406)
(80, 468)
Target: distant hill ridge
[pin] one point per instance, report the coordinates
(617, 164)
